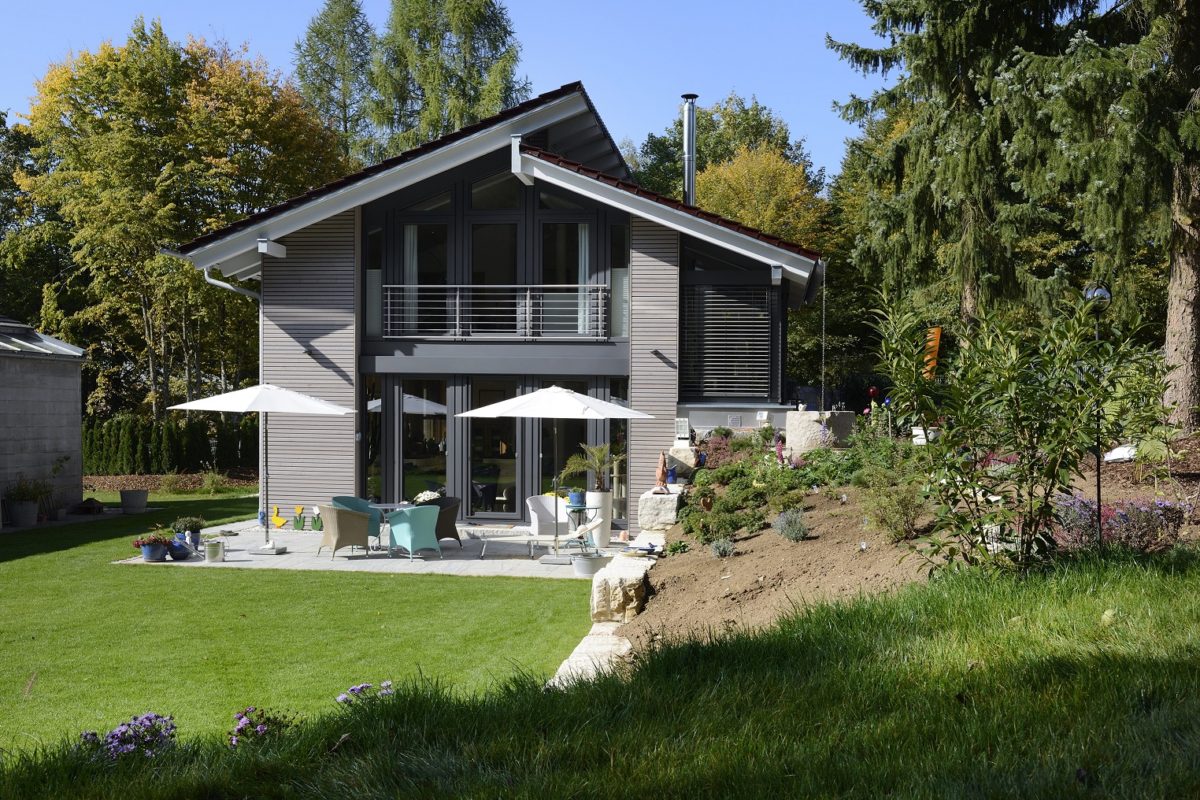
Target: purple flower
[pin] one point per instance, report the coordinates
(343, 698)
(233, 741)
(260, 729)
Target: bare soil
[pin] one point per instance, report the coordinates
(696, 593)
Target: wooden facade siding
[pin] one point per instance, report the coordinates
(309, 301)
(653, 351)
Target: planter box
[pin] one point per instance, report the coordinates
(133, 501)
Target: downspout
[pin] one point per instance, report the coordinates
(210, 280)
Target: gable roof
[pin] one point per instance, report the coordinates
(17, 338)
(669, 202)
(567, 106)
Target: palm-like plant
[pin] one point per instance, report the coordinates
(596, 459)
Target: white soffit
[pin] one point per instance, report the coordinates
(796, 267)
(229, 255)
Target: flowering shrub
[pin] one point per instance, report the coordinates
(364, 692)
(147, 735)
(151, 539)
(255, 723)
(1140, 525)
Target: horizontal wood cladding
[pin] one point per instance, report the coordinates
(653, 350)
(309, 345)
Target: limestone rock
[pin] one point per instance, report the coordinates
(805, 432)
(657, 512)
(619, 590)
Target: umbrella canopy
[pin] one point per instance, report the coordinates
(412, 405)
(266, 398)
(555, 402)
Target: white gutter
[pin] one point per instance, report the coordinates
(211, 281)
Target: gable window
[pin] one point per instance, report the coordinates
(440, 203)
(726, 342)
(500, 192)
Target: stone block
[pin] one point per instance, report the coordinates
(619, 590)
(804, 430)
(659, 511)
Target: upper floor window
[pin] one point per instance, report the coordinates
(497, 193)
(441, 202)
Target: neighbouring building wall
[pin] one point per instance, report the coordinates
(308, 304)
(653, 351)
(41, 419)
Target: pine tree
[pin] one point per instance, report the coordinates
(141, 464)
(333, 66)
(442, 65)
(154, 449)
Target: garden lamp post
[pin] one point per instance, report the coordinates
(1099, 297)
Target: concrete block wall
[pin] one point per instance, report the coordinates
(41, 419)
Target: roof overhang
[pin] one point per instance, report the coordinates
(237, 255)
(795, 267)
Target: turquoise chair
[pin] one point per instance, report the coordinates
(414, 528)
(364, 507)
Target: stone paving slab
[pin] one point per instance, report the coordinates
(503, 558)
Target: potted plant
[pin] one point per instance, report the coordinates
(600, 461)
(24, 499)
(192, 526)
(153, 546)
(575, 496)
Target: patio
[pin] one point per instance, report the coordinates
(504, 558)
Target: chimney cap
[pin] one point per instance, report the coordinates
(689, 96)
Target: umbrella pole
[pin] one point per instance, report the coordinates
(554, 483)
(266, 481)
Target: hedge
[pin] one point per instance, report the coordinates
(129, 445)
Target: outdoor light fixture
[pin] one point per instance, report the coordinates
(1099, 297)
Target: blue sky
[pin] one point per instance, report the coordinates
(635, 58)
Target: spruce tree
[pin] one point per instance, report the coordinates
(333, 66)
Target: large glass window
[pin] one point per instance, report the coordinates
(494, 264)
(423, 429)
(493, 450)
(438, 203)
(618, 267)
(565, 308)
(572, 434)
(373, 437)
(618, 440)
(426, 306)
(373, 291)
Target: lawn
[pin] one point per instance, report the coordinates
(87, 643)
(1081, 681)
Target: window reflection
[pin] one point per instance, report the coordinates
(493, 450)
(424, 437)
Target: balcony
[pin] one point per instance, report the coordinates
(504, 312)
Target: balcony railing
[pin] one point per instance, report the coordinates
(495, 312)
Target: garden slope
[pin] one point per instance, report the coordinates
(695, 592)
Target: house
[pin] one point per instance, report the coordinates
(41, 418)
(512, 254)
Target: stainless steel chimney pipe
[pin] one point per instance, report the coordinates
(689, 148)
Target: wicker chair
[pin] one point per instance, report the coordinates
(447, 516)
(413, 528)
(344, 528)
(364, 507)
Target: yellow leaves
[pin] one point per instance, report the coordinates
(764, 190)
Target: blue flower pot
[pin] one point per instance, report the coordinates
(154, 552)
(194, 537)
(575, 498)
(179, 551)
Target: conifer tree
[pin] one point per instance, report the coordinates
(333, 66)
(441, 65)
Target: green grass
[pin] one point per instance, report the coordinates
(969, 686)
(86, 643)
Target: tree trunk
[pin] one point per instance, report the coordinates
(1182, 346)
(151, 366)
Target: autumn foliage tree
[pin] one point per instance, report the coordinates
(147, 144)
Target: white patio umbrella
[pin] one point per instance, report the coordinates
(555, 402)
(265, 399)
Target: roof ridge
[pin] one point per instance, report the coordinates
(670, 202)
